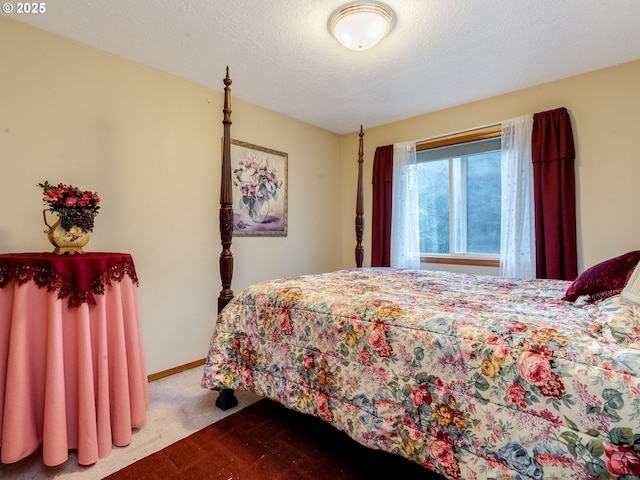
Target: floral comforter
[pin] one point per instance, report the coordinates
(474, 377)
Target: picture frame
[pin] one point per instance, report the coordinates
(260, 184)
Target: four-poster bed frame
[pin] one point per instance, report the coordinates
(470, 376)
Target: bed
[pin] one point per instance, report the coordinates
(473, 377)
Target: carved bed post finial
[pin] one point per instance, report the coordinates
(226, 203)
(360, 206)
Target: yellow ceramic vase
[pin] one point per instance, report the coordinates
(66, 242)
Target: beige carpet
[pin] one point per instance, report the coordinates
(177, 408)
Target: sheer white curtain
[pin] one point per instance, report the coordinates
(517, 242)
(405, 232)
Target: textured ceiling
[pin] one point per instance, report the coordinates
(440, 53)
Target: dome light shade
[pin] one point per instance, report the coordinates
(360, 26)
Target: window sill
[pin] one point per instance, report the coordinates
(461, 261)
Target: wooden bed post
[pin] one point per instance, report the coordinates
(360, 206)
(226, 204)
(226, 399)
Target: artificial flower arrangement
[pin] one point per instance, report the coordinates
(75, 207)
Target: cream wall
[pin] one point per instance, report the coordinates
(149, 144)
(605, 110)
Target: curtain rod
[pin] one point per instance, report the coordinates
(459, 132)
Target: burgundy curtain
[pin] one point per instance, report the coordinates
(381, 221)
(553, 155)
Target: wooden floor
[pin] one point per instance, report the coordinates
(268, 441)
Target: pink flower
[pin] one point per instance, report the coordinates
(284, 322)
(356, 323)
(502, 350)
(71, 201)
(622, 460)
(534, 368)
(515, 390)
(377, 339)
(409, 423)
(365, 357)
(270, 176)
(246, 376)
(308, 362)
(85, 200)
(248, 190)
(415, 434)
(251, 165)
(515, 326)
(515, 395)
(443, 453)
(421, 395)
(322, 404)
(439, 383)
(52, 196)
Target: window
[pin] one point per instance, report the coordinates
(459, 199)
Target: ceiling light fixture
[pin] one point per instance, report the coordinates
(360, 26)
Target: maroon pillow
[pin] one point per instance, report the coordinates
(604, 279)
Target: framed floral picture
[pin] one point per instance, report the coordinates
(259, 190)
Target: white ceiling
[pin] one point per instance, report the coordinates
(440, 53)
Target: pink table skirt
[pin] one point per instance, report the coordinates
(70, 378)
